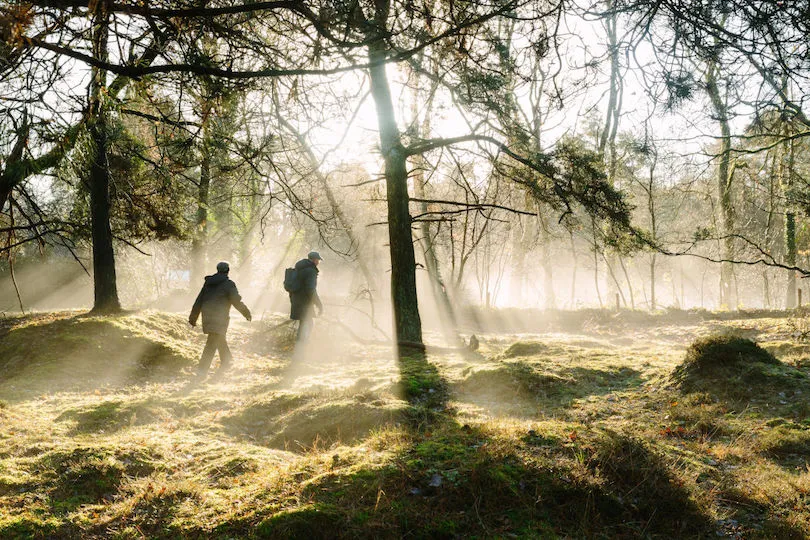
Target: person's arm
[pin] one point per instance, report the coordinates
(310, 285)
(196, 308)
(236, 301)
(317, 300)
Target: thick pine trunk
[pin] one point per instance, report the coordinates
(104, 279)
(407, 323)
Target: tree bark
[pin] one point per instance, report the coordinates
(724, 180)
(407, 323)
(653, 227)
(573, 300)
(790, 227)
(769, 226)
(104, 279)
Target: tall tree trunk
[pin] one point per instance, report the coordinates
(618, 290)
(10, 253)
(653, 305)
(596, 263)
(407, 323)
(724, 181)
(548, 264)
(104, 281)
(769, 226)
(653, 226)
(629, 283)
(447, 313)
(607, 139)
(573, 300)
(790, 226)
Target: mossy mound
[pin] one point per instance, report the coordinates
(514, 379)
(301, 422)
(86, 475)
(524, 348)
(41, 353)
(733, 367)
(311, 521)
(724, 350)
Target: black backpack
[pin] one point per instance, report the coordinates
(291, 282)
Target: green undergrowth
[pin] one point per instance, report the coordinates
(617, 435)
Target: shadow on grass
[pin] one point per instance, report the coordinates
(453, 480)
(762, 519)
(457, 481)
(445, 480)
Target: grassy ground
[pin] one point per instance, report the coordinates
(607, 430)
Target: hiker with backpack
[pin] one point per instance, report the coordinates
(302, 282)
(216, 297)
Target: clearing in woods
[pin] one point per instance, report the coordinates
(606, 428)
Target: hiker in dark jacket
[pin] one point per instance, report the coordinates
(214, 301)
(302, 300)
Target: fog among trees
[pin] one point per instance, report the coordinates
(444, 158)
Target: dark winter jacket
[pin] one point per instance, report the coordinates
(214, 301)
(301, 300)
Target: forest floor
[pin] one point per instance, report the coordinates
(609, 429)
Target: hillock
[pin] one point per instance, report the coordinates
(734, 368)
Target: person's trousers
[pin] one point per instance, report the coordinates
(304, 329)
(215, 342)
